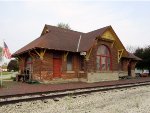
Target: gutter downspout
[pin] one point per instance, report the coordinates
(77, 51)
(78, 43)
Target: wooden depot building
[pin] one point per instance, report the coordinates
(67, 55)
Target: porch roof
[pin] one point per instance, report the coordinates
(132, 56)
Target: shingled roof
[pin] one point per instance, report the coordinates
(63, 39)
(88, 39)
(132, 56)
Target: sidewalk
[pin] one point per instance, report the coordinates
(14, 88)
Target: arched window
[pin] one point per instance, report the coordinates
(103, 58)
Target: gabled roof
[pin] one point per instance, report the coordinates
(62, 39)
(88, 39)
(132, 56)
(56, 38)
(51, 28)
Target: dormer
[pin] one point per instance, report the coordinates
(45, 30)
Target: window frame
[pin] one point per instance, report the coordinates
(107, 58)
(81, 63)
(28, 62)
(67, 63)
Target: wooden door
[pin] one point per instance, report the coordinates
(57, 67)
(129, 69)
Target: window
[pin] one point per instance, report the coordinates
(28, 62)
(81, 63)
(28, 67)
(69, 63)
(103, 58)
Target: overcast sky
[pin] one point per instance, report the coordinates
(23, 21)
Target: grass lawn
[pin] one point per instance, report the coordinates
(8, 78)
(8, 83)
(6, 73)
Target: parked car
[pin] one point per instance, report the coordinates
(145, 73)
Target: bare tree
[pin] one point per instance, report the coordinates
(131, 49)
(63, 25)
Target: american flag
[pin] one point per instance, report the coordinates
(6, 52)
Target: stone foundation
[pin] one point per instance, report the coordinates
(61, 80)
(102, 76)
(123, 73)
(133, 73)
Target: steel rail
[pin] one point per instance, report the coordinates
(60, 94)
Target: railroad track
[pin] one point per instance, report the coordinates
(11, 99)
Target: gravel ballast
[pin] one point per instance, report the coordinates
(131, 100)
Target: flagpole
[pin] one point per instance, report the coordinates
(2, 68)
(7, 54)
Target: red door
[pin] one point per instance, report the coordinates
(56, 67)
